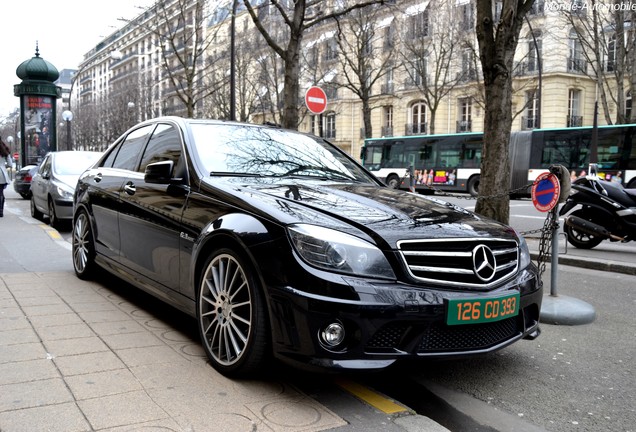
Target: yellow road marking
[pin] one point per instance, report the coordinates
(52, 232)
(369, 396)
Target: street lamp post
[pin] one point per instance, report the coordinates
(67, 116)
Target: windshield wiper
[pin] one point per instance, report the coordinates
(234, 174)
(321, 177)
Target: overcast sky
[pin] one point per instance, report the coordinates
(64, 30)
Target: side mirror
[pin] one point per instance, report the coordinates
(159, 172)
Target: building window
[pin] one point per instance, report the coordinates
(331, 50)
(467, 17)
(464, 124)
(610, 65)
(418, 119)
(387, 87)
(576, 59)
(530, 120)
(389, 37)
(574, 111)
(419, 25)
(537, 8)
(535, 51)
(387, 128)
(468, 66)
(330, 126)
(628, 106)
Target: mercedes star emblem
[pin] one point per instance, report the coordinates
(484, 263)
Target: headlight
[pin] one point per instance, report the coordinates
(524, 252)
(65, 192)
(336, 251)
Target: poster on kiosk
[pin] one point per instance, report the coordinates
(37, 126)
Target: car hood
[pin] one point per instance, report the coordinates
(383, 214)
(69, 180)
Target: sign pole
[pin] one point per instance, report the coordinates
(554, 258)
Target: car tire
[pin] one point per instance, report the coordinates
(53, 220)
(231, 315)
(83, 247)
(35, 213)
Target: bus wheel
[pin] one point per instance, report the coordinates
(393, 181)
(473, 186)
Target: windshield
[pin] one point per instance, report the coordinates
(259, 151)
(74, 163)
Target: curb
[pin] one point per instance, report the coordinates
(592, 264)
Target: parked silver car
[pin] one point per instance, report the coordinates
(53, 185)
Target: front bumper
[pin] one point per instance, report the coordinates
(64, 208)
(393, 321)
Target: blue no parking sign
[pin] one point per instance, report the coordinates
(545, 192)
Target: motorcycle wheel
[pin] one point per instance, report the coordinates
(580, 239)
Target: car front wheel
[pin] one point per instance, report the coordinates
(53, 220)
(83, 247)
(231, 315)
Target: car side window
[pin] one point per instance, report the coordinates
(45, 168)
(129, 150)
(165, 144)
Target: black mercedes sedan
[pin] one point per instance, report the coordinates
(283, 247)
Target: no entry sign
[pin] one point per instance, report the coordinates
(545, 192)
(316, 100)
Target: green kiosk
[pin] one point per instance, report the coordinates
(38, 95)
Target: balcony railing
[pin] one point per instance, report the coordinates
(415, 129)
(464, 126)
(330, 133)
(525, 68)
(577, 65)
(467, 75)
(387, 88)
(387, 131)
(575, 121)
(528, 123)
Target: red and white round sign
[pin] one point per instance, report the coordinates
(316, 100)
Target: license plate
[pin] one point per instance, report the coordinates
(481, 310)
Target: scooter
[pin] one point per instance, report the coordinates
(607, 211)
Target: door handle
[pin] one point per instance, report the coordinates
(130, 188)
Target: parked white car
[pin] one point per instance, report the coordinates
(53, 185)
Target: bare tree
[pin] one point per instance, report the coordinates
(601, 47)
(497, 46)
(365, 56)
(218, 103)
(180, 28)
(282, 24)
(437, 45)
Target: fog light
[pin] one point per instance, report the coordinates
(333, 334)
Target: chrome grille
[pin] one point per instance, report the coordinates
(464, 262)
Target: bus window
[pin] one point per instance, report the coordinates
(372, 156)
(449, 158)
(394, 156)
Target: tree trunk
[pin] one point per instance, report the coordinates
(493, 200)
(292, 84)
(497, 46)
